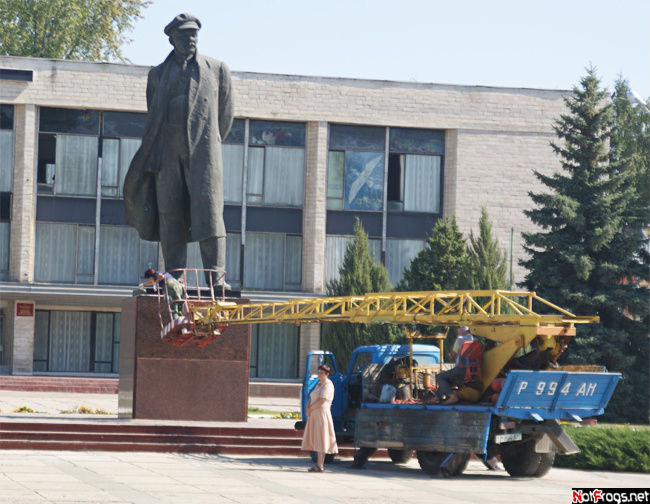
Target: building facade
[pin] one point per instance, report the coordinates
(306, 156)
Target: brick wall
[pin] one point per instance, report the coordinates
(23, 341)
(21, 242)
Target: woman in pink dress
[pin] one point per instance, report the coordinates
(319, 431)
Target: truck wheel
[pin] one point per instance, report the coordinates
(361, 456)
(400, 456)
(458, 465)
(430, 461)
(545, 464)
(522, 460)
(329, 457)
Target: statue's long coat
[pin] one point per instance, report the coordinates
(210, 115)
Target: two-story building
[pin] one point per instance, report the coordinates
(305, 157)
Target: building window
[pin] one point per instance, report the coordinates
(232, 151)
(6, 147)
(274, 351)
(123, 256)
(73, 146)
(3, 340)
(335, 248)
(67, 152)
(64, 253)
(233, 256)
(399, 254)
(77, 342)
(273, 261)
(276, 164)
(117, 154)
(415, 170)
(69, 148)
(355, 168)
(6, 177)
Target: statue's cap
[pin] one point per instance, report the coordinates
(183, 22)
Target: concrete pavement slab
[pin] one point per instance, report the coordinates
(147, 478)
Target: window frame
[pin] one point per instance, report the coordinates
(250, 198)
(92, 361)
(345, 150)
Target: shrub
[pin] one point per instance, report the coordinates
(608, 448)
(24, 409)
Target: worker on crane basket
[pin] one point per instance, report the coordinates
(467, 352)
(171, 287)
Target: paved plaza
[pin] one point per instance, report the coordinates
(30, 477)
(71, 477)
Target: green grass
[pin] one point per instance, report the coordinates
(608, 447)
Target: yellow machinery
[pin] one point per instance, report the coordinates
(508, 320)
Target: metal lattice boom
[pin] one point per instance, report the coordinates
(444, 308)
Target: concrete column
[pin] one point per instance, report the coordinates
(23, 210)
(23, 337)
(309, 340)
(315, 210)
(450, 174)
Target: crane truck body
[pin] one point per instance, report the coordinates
(512, 407)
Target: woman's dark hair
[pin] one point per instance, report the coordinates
(325, 368)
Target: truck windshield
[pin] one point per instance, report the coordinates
(360, 362)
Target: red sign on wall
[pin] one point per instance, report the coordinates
(24, 309)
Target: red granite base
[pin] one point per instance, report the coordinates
(165, 382)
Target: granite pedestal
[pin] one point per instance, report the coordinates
(165, 382)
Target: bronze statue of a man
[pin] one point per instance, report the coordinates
(173, 191)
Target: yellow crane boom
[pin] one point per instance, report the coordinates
(446, 308)
(511, 319)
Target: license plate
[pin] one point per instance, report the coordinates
(505, 438)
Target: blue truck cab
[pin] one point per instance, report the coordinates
(348, 386)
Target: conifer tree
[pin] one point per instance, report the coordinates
(487, 261)
(590, 254)
(359, 274)
(442, 265)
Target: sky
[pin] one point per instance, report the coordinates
(541, 44)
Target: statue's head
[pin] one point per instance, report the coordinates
(183, 34)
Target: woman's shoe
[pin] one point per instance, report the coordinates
(315, 469)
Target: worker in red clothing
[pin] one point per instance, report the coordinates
(455, 376)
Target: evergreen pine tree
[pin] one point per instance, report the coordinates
(359, 274)
(591, 254)
(487, 261)
(442, 265)
(630, 144)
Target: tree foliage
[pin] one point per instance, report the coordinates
(442, 265)
(359, 274)
(487, 260)
(631, 140)
(591, 254)
(91, 30)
